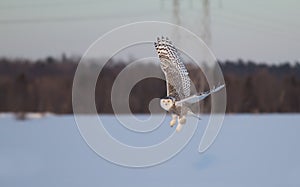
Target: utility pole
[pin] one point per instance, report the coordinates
(203, 30)
(205, 23)
(176, 18)
(205, 34)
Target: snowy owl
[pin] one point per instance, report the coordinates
(178, 81)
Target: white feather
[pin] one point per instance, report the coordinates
(196, 98)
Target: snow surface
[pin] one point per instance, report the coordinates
(251, 150)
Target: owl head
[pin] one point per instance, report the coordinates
(167, 102)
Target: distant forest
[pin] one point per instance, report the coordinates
(46, 86)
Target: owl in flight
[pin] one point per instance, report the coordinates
(178, 82)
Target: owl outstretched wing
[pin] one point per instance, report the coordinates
(196, 98)
(177, 77)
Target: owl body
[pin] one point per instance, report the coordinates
(170, 106)
(178, 81)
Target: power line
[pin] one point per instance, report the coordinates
(49, 20)
(256, 24)
(258, 18)
(46, 5)
(64, 19)
(254, 28)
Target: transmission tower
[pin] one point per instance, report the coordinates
(206, 36)
(203, 30)
(176, 18)
(205, 22)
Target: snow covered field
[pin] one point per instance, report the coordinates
(251, 150)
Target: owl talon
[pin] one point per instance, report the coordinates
(179, 127)
(172, 123)
(182, 120)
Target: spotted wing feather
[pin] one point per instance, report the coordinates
(177, 78)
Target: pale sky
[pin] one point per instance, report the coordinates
(259, 30)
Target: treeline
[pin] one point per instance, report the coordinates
(46, 86)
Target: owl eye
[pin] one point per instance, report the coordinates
(168, 101)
